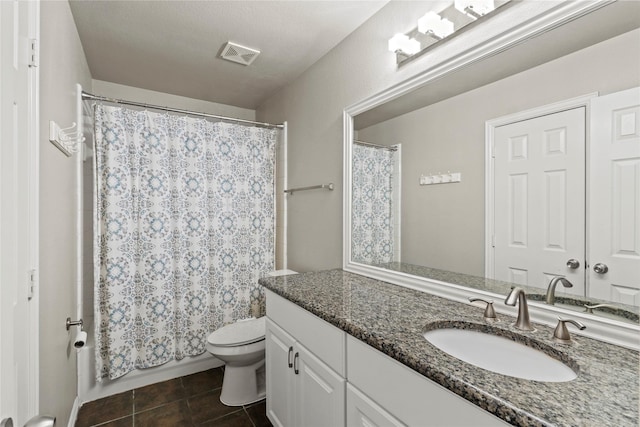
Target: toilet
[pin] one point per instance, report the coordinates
(240, 346)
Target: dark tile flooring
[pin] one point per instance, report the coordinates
(192, 400)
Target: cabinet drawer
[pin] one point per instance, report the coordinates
(412, 398)
(324, 340)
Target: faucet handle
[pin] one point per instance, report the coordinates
(489, 313)
(561, 333)
(589, 308)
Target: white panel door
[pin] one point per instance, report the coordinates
(539, 200)
(280, 377)
(320, 392)
(614, 204)
(18, 214)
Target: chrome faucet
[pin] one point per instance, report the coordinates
(517, 295)
(551, 290)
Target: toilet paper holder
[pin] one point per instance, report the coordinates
(71, 323)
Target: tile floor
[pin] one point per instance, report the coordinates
(192, 400)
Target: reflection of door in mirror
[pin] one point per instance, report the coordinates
(539, 199)
(375, 236)
(539, 210)
(614, 261)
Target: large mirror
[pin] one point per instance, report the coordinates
(518, 168)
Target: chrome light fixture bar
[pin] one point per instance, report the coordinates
(434, 27)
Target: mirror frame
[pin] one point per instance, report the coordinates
(525, 24)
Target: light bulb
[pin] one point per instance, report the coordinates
(428, 22)
(432, 23)
(402, 42)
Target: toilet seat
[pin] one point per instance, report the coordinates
(242, 332)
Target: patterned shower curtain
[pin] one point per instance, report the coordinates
(372, 231)
(184, 229)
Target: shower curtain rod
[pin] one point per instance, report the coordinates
(370, 144)
(92, 97)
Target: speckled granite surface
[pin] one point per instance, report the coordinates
(392, 319)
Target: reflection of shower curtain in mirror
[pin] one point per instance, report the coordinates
(374, 194)
(184, 230)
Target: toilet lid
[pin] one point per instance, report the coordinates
(242, 332)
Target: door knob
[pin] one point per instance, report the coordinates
(573, 263)
(600, 268)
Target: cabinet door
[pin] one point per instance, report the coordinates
(320, 392)
(279, 376)
(364, 412)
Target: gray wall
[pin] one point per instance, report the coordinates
(449, 136)
(62, 65)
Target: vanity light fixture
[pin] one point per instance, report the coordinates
(474, 8)
(403, 44)
(434, 25)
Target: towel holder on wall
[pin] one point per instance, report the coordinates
(313, 187)
(68, 140)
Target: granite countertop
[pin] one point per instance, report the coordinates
(393, 319)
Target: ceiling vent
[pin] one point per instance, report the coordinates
(237, 53)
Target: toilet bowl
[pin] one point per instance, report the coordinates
(240, 346)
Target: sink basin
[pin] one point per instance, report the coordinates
(499, 354)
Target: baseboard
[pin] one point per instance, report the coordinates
(73, 416)
(92, 390)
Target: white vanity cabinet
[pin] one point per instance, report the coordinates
(305, 367)
(308, 362)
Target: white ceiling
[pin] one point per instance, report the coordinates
(173, 46)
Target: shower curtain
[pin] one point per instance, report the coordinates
(374, 196)
(184, 229)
